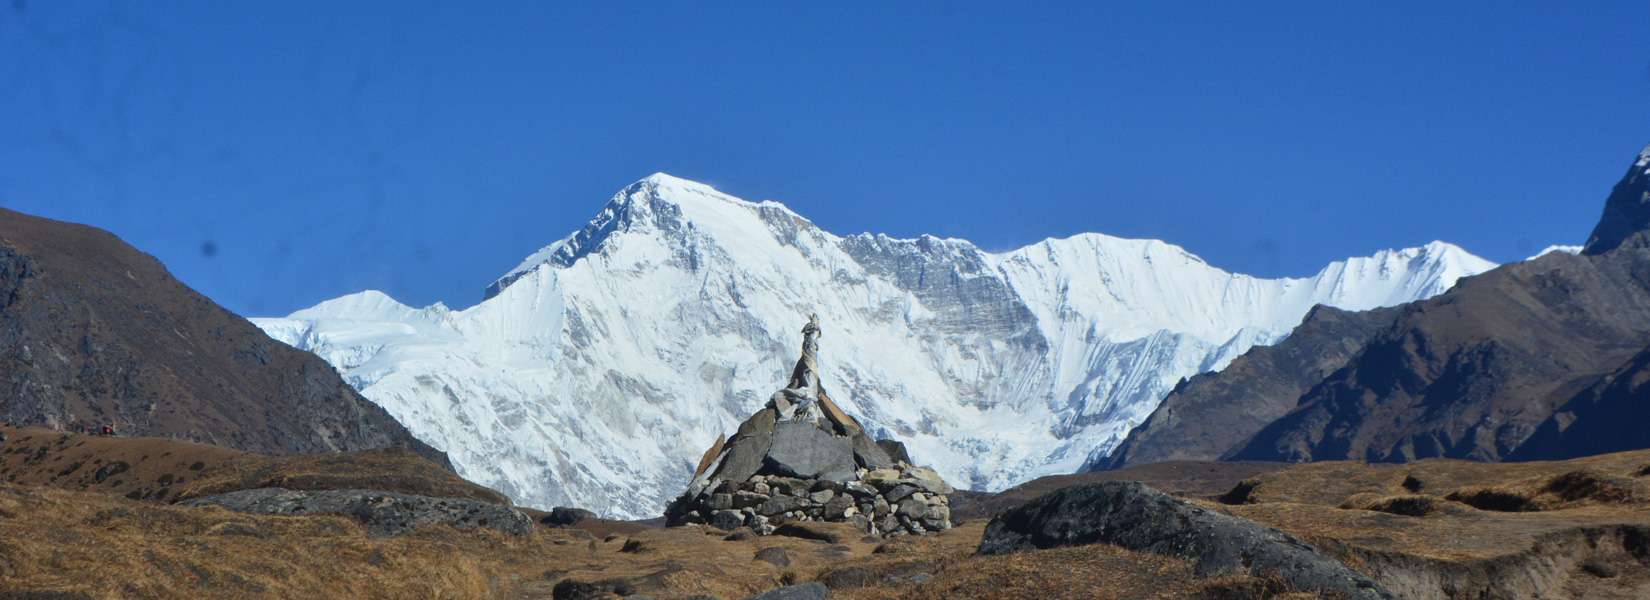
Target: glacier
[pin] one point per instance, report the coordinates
(597, 371)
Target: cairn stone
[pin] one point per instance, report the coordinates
(802, 458)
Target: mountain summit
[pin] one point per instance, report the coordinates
(1626, 211)
(598, 367)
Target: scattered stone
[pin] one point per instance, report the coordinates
(775, 556)
(385, 514)
(1133, 516)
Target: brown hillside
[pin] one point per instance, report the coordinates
(94, 332)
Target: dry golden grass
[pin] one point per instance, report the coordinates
(170, 470)
(62, 530)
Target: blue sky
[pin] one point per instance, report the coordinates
(277, 154)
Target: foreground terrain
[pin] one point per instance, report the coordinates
(1432, 529)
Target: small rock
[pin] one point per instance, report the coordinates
(928, 480)
(775, 556)
(779, 504)
(812, 590)
(860, 489)
(822, 496)
(720, 501)
(875, 475)
(895, 450)
(727, 520)
(744, 499)
(848, 578)
(899, 493)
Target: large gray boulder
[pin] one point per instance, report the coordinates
(1130, 515)
(384, 514)
(801, 449)
(748, 448)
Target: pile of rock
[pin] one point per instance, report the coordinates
(890, 501)
(801, 458)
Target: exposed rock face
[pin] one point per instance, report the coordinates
(801, 458)
(384, 514)
(1136, 517)
(94, 332)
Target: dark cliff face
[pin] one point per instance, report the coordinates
(94, 332)
(1626, 213)
(1544, 346)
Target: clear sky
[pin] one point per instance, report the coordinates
(276, 154)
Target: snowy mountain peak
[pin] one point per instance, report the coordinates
(1644, 160)
(1565, 248)
(599, 368)
(657, 204)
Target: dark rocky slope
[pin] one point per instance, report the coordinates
(1472, 373)
(1209, 414)
(1610, 416)
(94, 332)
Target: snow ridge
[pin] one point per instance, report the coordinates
(599, 369)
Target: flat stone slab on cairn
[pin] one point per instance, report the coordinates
(801, 458)
(802, 449)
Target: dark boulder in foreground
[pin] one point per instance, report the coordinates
(565, 516)
(812, 590)
(385, 514)
(1135, 517)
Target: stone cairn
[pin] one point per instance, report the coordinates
(801, 458)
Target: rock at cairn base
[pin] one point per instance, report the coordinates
(801, 458)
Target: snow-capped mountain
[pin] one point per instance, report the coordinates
(597, 371)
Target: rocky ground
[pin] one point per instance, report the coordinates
(1432, 529)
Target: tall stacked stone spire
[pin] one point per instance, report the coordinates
(801, 457)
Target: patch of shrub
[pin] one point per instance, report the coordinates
(1494, 500)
